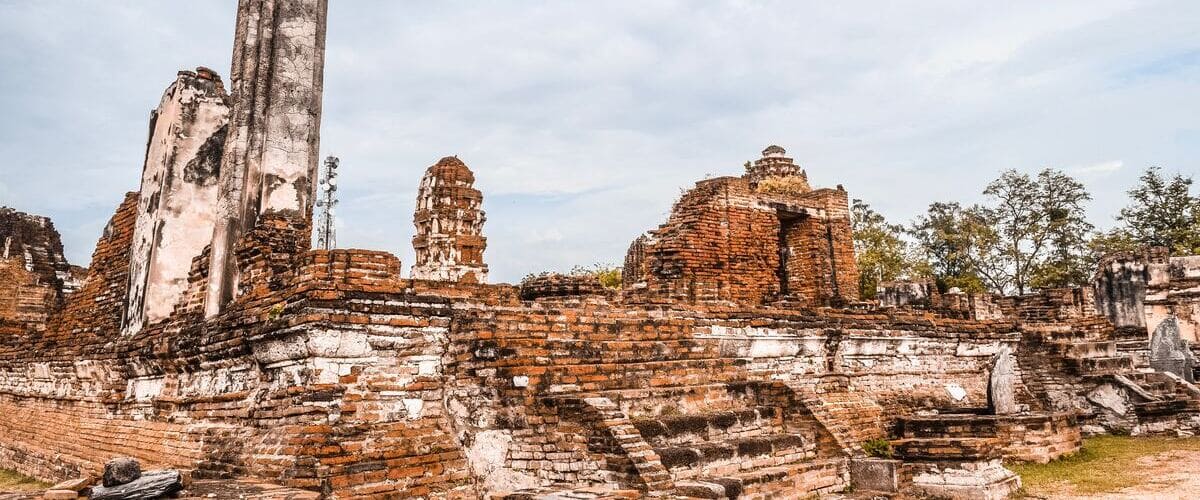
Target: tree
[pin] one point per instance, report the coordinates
(1103, 244)
(879, 248)
(1032, 233)
(945, 237)
(1163, 213)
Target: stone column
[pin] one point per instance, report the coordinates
(178, 194)
(271, 155)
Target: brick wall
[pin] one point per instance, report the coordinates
(724, 241)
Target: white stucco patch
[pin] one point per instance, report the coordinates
(413, 408)
(487, 455)
(956, 392)
(144, 389)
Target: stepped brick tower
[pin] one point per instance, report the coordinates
(449, 242)
(775, 164)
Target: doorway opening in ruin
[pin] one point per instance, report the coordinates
(789, 222)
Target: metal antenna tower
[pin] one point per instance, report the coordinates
(326, 201)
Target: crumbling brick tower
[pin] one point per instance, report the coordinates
(449, 242)
(34, 275)
(763, 237)
(176, 207)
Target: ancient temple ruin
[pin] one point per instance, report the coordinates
(449, 243)
(735, 361)
(178, 194)
(763, 237)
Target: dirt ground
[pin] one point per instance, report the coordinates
(1174, 475)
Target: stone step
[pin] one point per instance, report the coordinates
(947, 427)
(797, 479)
(683, 429)
(1099, 366)
(1165, 407)
(733, 455)
(1086, 349)
(961, 449)
(688, 398)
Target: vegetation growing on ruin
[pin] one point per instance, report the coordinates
(12, 482)
(1105, 464)
(791, 186)
(878, 448)
(608, 274)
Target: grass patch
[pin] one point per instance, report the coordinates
(1105, 464)
(12, 481)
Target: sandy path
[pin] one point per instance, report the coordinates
(1172, 475)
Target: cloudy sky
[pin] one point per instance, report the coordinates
(584, 120)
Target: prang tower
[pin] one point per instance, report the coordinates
(449, 242)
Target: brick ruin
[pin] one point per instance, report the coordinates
(736, 360)
(449, 243)
(765, 237)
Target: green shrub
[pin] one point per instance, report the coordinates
(878, 448)
(608, 274)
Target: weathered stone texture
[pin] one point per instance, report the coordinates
(1002, 384)
(1140, 291)
(24, 298)
(737, 360)
(31, 242)
(176, 208)
(449, 242)
(271, 153)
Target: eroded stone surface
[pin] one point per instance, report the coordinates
(1002, 383)
(271, 153)
(1169, 352)
(176, 207)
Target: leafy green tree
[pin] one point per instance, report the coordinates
(944, 241)
(1042, 227)
(879, 247)
(1113, 241)
(1163, 212)
(1032, 233)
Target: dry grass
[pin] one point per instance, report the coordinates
(12, 482)
(1105, 464)
(793, 186)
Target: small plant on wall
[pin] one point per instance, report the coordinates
(878, 448)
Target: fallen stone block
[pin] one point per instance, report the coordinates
(61, 495)
(77, 484)
(120, 471)
(152, 484)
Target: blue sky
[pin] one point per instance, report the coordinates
(584, 120)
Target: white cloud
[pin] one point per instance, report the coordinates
(583, 121)
(1104, 168)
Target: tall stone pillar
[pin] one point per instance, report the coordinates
(271, 154)
(177, 200)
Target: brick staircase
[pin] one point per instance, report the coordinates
(946, 439)
(847, 415)
(1162, 394)
(1086, 345)
(953, 458)
(744, 448)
